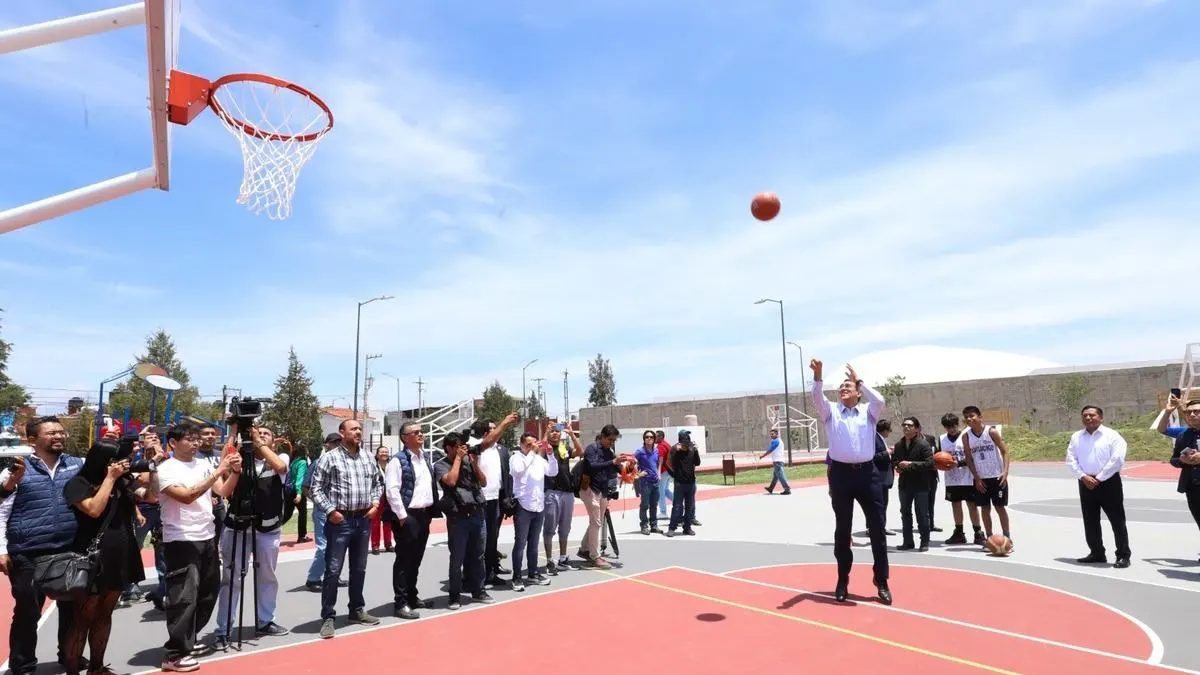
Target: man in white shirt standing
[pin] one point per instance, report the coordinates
(186, 488)
(853, 474)
(494, 463)
(412, 499)
(528, 469)
(1095, 454)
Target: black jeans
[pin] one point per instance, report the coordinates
(1108, 497)
(885, 497)
(27, 610)
(910, 498)
(466, 541)
(683, 506)
(411, 537)
(491, 556)
(850, 483)
(193, 586)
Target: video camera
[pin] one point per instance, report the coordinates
(125, 451)
(242, 414)
(10, 441)
(243, 411)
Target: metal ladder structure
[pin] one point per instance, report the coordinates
(442, 421)
(799, 419)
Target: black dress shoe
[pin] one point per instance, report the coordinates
(885, 595)
(405, 612)
(1121, 563)
(1092, 558)
(842, 591)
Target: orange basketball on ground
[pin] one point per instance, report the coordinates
(765, 205)
(944, 460)
(999, 544)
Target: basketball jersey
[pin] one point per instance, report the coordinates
(959, 475)
(986, 455)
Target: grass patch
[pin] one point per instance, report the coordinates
(755, 476)
(1028, 445)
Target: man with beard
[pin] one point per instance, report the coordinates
(36, 522)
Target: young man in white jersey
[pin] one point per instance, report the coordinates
(987, 458)
(960, 484)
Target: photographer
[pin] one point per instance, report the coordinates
(186, 488)
(264, 499)
(600, 458)
(463, 479)
(34, 522)
(681, 464)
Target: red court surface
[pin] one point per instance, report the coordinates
(980, 600)
(716, 625)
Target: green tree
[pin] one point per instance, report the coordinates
(893, 394)
(134, 393)
(533, 407)
(81, 429)
(296, 413)
(1069, 393)
(497, 404)
(12, 395)
(603, 391)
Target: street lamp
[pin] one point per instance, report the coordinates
(357, 334)
(524, 400)
(803, 391)
(397, 399)
(787, 406)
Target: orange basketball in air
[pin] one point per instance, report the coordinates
(765, 205)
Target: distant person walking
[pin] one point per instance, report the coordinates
(778, 458)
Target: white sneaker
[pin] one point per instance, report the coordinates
(186, 664)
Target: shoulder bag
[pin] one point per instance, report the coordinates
(68, 576)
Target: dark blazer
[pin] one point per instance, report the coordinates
(883, 462)
(919, 475)
(934, 447)
(1188, 476)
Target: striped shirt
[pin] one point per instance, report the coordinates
(343, 482)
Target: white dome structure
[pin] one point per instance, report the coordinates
(927, 363)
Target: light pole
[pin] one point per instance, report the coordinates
(397, 400)
(357, 334)
(787, 406)
(803, 391)
(524, 400)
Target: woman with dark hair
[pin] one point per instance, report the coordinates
(102, 497)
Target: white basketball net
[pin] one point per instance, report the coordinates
(271, 165)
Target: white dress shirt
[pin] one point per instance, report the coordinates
(489, 462)
(529, 480)
(851, 431)
(422, 496)
(1100, 453)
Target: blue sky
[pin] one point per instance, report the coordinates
(549, 180)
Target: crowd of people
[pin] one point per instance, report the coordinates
(208, 510)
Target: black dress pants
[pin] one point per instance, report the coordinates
(491, 551)
(1109, 497)
(850, 483)
(411, 537)
(27, 610)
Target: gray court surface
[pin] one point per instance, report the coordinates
(1160, 589)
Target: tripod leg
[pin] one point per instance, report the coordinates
(254, 543)
(228, 589)
(242, 587)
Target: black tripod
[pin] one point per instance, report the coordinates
(241, 519)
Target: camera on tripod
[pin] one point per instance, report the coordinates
(242, 414)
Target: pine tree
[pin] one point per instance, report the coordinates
(12, 395)
(533, 407)
(497, 404)
(134, 393)
(296, 413)
(603, 391)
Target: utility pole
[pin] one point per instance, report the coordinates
(368, 381)
(540, 398)
(566, 400)
(420, 397)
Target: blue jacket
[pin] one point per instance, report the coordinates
(408, 483)
(41, 519)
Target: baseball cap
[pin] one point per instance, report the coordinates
(333, 438)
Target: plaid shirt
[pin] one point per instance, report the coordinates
(341, 482)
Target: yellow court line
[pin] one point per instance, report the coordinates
(819, 624)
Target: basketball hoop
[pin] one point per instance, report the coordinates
(277, 125)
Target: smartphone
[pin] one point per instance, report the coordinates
(1176, 392)
(560, 426)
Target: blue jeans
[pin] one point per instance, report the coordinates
(683, 507)
(648, 508)
(353, 536)
(526, 525)
(153, 515)
(664, 493)
(467, 537)
(778, 477)
(316, 571)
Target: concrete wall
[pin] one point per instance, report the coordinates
(740, 423)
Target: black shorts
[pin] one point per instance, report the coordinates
(961, 493)
(995, 495)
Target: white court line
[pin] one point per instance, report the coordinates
(1156, 644)
(46, 614)
(470, 607)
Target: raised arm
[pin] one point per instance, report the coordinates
(820, 403)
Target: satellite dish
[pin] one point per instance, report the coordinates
(156, 377)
